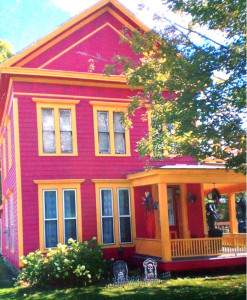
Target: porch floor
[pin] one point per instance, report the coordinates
(196, 263)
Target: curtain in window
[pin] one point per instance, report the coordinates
(107, 216)
(70, 224)
(65, 130)
(124, 215)
(48, 130)
(103, 132)
(119, 133)
(50, 214)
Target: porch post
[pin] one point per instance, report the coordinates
(232, 213)
(164, 222)
(184, 214)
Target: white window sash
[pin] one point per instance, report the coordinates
(106, 217)
(53, 219)
(124, 216)
(71, 218)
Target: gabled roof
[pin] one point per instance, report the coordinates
(113, 6)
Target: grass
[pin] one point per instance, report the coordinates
(206, 288)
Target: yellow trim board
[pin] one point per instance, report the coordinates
(18, 178)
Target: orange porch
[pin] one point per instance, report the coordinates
(175, 229)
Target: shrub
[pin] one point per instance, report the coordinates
(77, 264)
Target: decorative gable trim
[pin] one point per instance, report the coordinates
(70, 26)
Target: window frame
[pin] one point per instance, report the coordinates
(59, 186)
(111, 108)
(56, 105)
(114, 185)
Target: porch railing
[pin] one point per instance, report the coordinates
(208, 246)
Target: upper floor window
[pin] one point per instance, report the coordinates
(56, 127)
(111, 137)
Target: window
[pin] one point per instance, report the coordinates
(106, 216)
(124, 215)
(111, 138)
(59, 212)
(56, 127)
(113, 212)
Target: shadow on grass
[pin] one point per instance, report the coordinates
(173, 290)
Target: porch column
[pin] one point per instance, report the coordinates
(232, 213)
(183, 212)
(164, 222)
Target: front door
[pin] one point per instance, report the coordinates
(172, 212)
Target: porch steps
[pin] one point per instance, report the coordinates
(230, 261)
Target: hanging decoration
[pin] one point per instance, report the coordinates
(148, 202)
(191, 197)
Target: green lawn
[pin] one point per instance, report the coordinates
(220, 287)
(205, 288)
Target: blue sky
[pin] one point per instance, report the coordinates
(22, 22)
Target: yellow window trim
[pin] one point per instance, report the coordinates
(59, 186)
(109, 107)
(9, 144)
(113, 184)
(56, 104)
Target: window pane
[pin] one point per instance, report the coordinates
(107, 228)
(106, 203)
(125, 230)
(51, 234)
(117, 120)
(119, 143)
(104, 145)
(49, 141)
(66, 142)
(47, 119)
(103, 121)
(50, 204)
(69, 204)
(70, 230)
(65, 119)
(123, 198)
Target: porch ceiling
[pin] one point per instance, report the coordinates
(171, 175)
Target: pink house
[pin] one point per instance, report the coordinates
(70, 169)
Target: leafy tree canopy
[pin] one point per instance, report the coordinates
(204, 116)
(5, 51)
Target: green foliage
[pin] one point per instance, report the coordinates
(5, 51)
(206, 81)
(77, 264)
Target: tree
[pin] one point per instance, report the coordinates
(204, 116)
(5, 51)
